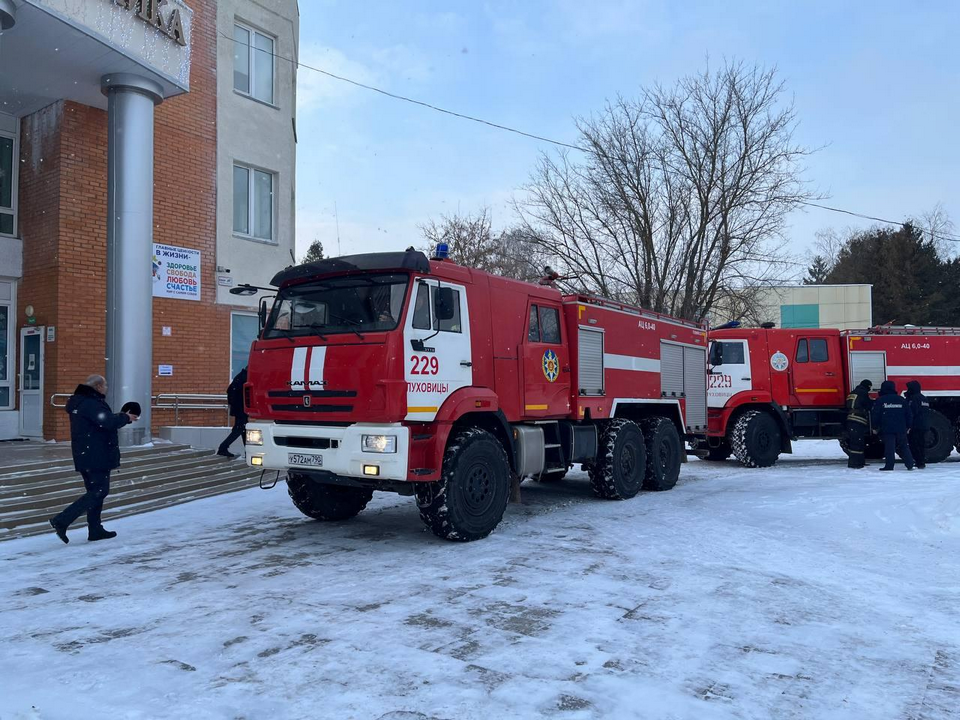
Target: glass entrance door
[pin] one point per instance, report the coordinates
(31, 382)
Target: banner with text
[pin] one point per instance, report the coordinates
(176, 272)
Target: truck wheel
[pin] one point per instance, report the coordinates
(939, 438)
(326, 502)
(621, 461)
(755, 439)
(663, 453)
(956, 435)
(469, 499)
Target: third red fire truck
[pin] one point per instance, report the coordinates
(393, 372)
(768, 386)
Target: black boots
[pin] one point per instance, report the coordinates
(100, 533)
(226, 454)
(59, 530)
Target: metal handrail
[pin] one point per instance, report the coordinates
(170, 401)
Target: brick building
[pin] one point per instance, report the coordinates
(220, 209)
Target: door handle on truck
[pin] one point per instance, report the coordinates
(466, 364)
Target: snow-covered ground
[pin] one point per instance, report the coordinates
(805, 591)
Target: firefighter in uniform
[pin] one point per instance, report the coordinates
(920, 409)
(892, 418)
(858, 423)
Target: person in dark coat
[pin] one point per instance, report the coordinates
(920, 409)
(892, 419)
(237, 412)
(858, 423)
(96, 451)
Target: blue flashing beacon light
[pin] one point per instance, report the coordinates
(442, 251)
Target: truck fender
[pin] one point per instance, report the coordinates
(476, 407)
(762, 399)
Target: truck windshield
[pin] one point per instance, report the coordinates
(351, 304)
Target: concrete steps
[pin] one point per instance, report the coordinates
(34, 487)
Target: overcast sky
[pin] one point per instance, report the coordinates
(875, 86)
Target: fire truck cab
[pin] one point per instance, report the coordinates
(770, 386)
(393, 372)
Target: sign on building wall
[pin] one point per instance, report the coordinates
(176, 272)
(153, 33)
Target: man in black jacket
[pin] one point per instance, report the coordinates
(892, 418)
(96, 451)
(237, 412)
(920, 409)
(858, 423)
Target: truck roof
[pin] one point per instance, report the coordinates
(411, 260)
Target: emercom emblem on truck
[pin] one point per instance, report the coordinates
(551, 365)
(779, 361)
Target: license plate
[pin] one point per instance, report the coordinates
(303, 459)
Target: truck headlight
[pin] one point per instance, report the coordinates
(254, 437)
(379, 443)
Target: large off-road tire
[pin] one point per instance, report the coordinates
(940, 437)
(326, 502)
(956, 435)
(756, 439)
(621, 462)
(664, 452)
(469, 499)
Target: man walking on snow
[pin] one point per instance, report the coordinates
(892, 418)
(96, 451)
(920, 409)
(237, 412)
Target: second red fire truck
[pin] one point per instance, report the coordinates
(771, 386)
(393, 372)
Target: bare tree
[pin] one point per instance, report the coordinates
(939, 228)
(473, 243)
(469, 237)
(682, 197)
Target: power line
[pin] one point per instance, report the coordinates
(404, 98)
(506, 128)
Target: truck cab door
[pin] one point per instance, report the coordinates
(545, 363)
(731, 375)
(438, 358)
(816, 373)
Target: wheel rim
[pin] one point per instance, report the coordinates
(478, 491)
(628, 461)
(763, 440)
(931, 439)
(664, 455)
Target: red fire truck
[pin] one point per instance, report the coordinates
(393, 372)
(770, 386)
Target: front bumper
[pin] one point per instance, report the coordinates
(339, 448)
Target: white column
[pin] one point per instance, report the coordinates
(129, 356)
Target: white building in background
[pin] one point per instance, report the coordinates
(257, 50)
(845, 307)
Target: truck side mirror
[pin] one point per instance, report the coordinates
(716, 354)
(263, 312)
(444, 304)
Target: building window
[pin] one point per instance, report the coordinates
(6, 345)
(253, 63)
(8, 184)
(243, 331)
(253, 202)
